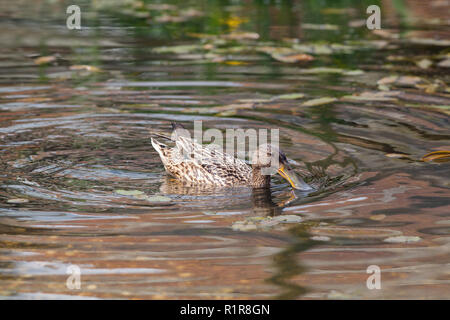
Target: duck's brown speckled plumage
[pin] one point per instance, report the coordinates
(195, 164)
(205, 166)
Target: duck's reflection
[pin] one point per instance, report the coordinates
(263, 204)
(261, 199)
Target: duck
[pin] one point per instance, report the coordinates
(196, 164)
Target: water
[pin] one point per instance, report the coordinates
(80, 183)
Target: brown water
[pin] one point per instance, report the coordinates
(73, 138)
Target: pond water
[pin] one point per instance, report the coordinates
(80, 183)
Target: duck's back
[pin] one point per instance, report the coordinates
(196, 164)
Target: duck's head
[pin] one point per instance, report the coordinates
(269, 160)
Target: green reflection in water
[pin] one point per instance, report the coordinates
(287, 265)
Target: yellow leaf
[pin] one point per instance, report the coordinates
(437, 156)
(44, 60)
(235, 63)
(233, 22)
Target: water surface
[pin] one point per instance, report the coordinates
(80, 183)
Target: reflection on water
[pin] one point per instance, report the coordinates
(81, 185)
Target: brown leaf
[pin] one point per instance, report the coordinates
(292, 58)
(44, 60)
(404, 81)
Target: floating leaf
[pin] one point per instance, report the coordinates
(288, 218)
(396, 155)
(353, 73)
(437, 156)
(44, 60)
(318, 101)
(129, 192)
(241, 36)
(405, 81)
(292, 58)
(323, 48)
(243, 226)
(313, 26)
(357, 23)
(17, 200)
(179, 49)
(161, 7)
(372, 96)
(170, 18)
(158, 199)
(320, 70)
(191, 13)
(377, 217)
(386, 33)
(85, 67)
(338, 10)
(234, 21)
(430, 41)
(424, 63)
(254, 100)
(326, 70)
(402, 239)
(235, 106)
(444, 63)
(276, 50)
(320, 238)
(235, 63)
(289, 96)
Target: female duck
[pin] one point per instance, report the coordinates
(195, 164)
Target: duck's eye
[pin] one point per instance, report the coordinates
(283, 158)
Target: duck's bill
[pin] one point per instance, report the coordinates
(296, 182)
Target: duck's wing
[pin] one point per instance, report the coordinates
(198, 164)
(193, 151)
